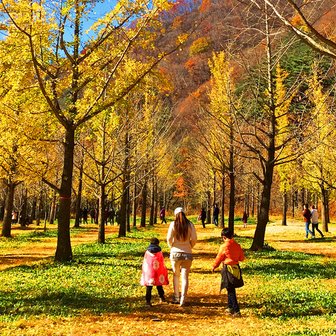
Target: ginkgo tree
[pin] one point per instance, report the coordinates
(223, 133)
(74, 72)
(266, 135)
(296, 15)
(18, 94)
(283, 104)
(318, 164)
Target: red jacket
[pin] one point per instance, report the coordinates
(306, 215)
(154, 271)
(230, 253)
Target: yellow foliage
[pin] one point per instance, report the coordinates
(221, 86)
(199, 46)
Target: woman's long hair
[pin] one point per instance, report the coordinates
(181, 226)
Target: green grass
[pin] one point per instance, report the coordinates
(290, 284)
(103, 279)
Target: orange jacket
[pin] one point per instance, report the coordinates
(230, 253)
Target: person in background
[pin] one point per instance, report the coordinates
(93, 215)
(154, 271)
(163, 215)
(181, 238)
(202, 217)
(215, 214)
(112, 216)
(244, 219)
(314, 220)
(85, 215)
(230, 254)
(307, 219)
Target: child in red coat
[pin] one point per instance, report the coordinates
(154, 271)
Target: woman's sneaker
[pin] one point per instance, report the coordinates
(182, 301)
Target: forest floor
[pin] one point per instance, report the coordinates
(205, 311)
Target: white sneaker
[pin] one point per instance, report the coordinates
(182, 301)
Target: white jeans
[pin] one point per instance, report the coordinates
(181, 267)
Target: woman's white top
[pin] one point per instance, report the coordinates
(179, 245)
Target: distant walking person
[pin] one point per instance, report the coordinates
(85, 215)
(307, 220)
(244, 219)
(202, 217)
(314, 220)
(230, 254)
(181, 238)
(112, 216)
(163, 215)
(154, 271)
(215, 214)
(92, 215)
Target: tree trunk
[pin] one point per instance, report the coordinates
(125, 188)
(232, 201)
(151, 216)
(248, 198)
(327, 212)
(263, 215)
(2, 209)
(156, 203)
(223, 202)
(144, 205)
(52, 213)
(79, 194)
(324, 200)
(284, 208)
(214, 188)
(135, 203)
(268, 164)
(63, 249)
(293, 203)
(253, 200)
(128, 206)
(101, 214)
(232, 181)
(39, 209)
(23, 213)
(303, 198)
(208, 220)
(7, 223)
(33, 210)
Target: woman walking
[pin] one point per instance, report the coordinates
(181, 238)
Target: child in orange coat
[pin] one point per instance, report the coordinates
(230, 253)
(154, 271)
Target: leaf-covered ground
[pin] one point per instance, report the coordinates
(288, 291)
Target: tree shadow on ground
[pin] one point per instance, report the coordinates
(295, 268)
(211, 240)
(318, 240)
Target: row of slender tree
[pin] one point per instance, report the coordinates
(94, 103)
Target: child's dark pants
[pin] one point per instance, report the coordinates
(149, 293)
(232, 299)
